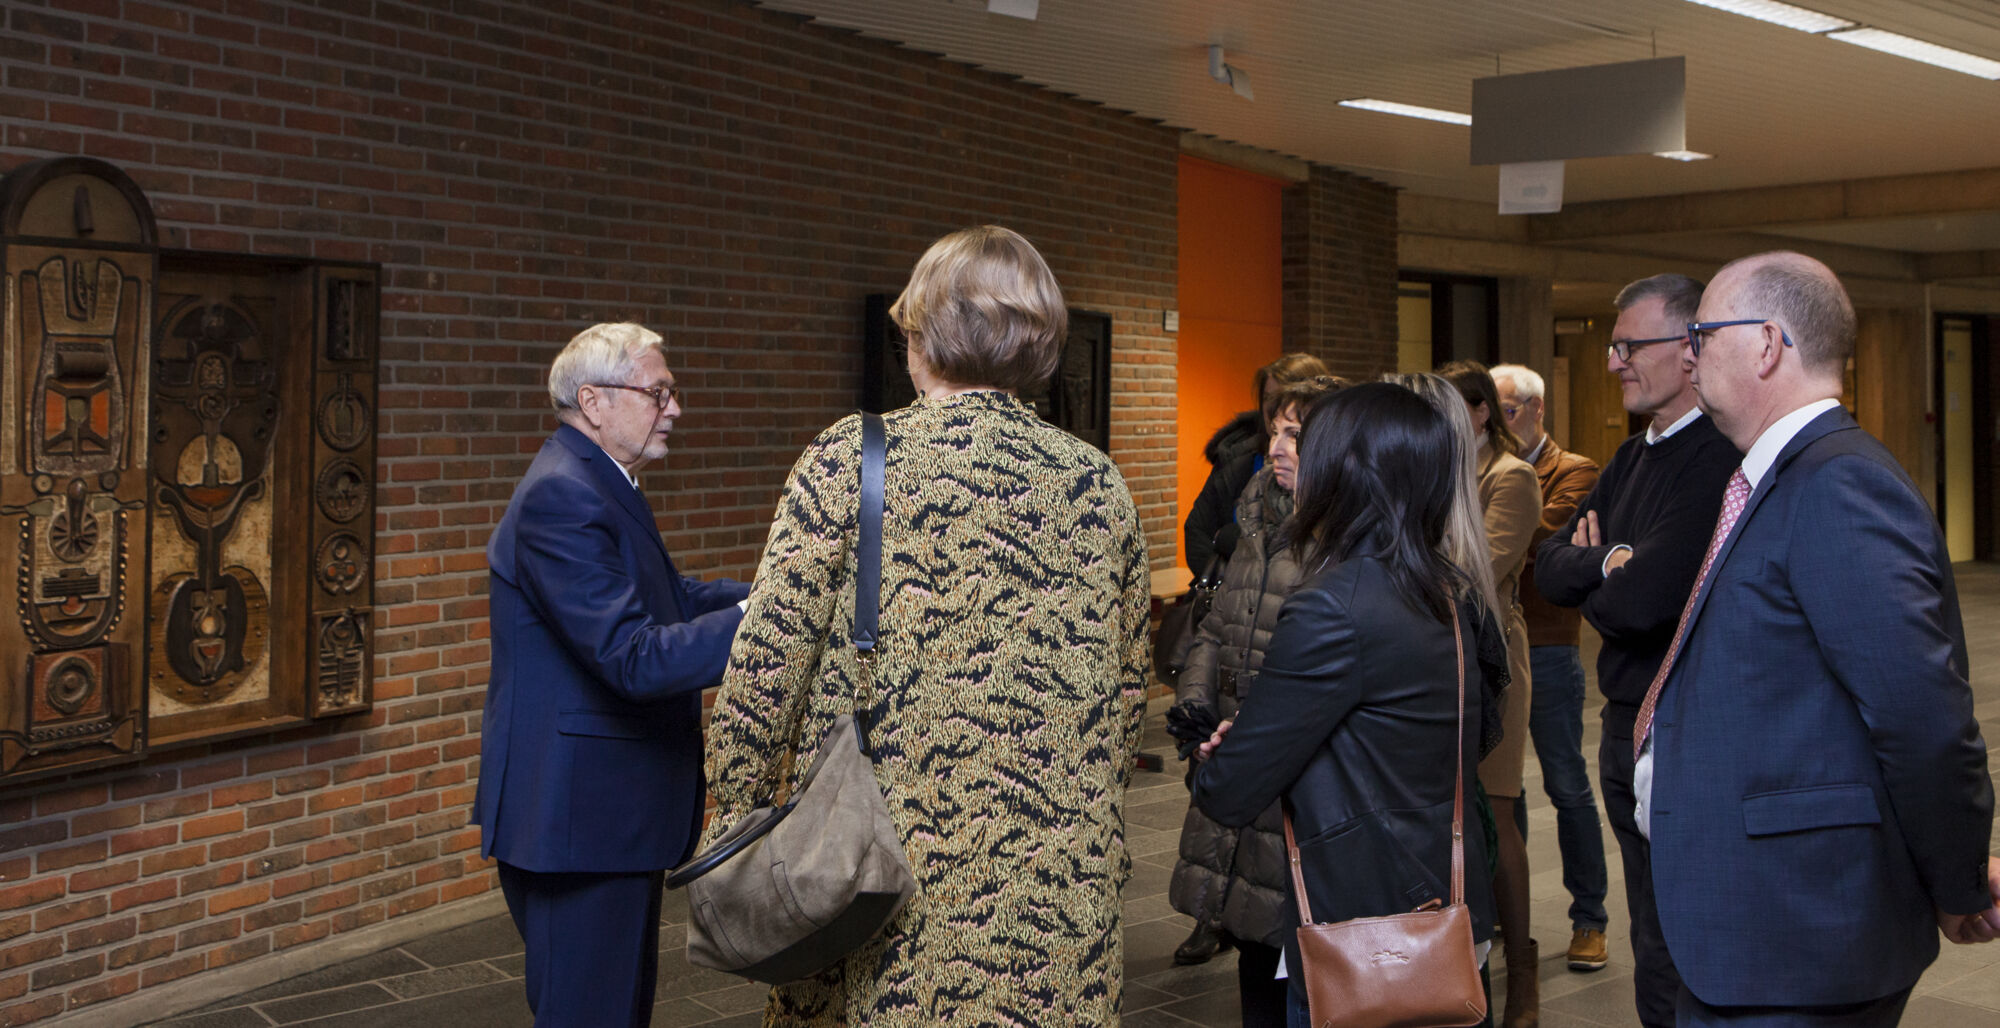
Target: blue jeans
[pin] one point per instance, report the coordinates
(1555, 722)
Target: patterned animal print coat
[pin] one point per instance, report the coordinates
(1008, 699)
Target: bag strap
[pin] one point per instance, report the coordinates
(868, 578)
(868, 571)
(1457, 801)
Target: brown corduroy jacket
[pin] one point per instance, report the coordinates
(1566, 479)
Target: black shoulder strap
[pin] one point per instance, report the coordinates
(868, 581)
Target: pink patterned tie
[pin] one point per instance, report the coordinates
(1733, 500)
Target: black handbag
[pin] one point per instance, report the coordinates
(790, 890)
(1178, 625)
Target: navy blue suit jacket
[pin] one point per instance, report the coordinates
(1819, 782)
(590, 757)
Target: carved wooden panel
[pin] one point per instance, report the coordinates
(187, 456)
(219, 479)
(76, 244)
(343, 549)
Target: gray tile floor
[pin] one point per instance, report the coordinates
(471, 976)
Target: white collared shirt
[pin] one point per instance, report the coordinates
(1654, 435)
(1756, 464)
(1764, 452)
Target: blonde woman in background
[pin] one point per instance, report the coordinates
(1511, 498)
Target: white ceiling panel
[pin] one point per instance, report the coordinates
(1774, 105)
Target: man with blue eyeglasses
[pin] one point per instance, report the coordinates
(1628, 559)
(1808, 758)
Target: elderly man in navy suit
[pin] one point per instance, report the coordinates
(1809, 768)
(590, 762)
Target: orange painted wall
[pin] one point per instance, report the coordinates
(1232, 309)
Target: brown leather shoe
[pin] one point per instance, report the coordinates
(1202, 943)
(1588, 950)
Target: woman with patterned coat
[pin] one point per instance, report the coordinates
(1009, 686)
(1233, 880)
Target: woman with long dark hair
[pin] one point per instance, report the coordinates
(1352, 720)
(1232, 880)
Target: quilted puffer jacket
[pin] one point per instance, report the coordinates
(1236, 878)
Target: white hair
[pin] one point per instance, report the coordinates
(599, 354)
(1527, 385)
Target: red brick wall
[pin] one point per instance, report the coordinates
(1340, 272)
(732, 177)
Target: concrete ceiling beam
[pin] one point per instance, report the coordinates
(1962, 264)
(1894, 196)
(1416, 252)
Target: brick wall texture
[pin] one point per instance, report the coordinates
(1339, 268)
(736, 178)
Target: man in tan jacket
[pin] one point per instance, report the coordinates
(1555, 718)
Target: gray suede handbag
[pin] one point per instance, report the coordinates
(790, 890)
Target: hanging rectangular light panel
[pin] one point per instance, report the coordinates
(1605, 110)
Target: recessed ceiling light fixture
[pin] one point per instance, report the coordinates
(1407, 110)
(1684, 155)
(1779, 14)
(1806, 20)
(1918, 50)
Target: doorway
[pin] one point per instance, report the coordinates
(1966, 431)
(1459, 315)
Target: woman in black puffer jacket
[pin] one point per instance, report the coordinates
(1232, 881)
(1236, 452)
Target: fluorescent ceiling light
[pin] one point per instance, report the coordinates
(1918, 50)
(1408, 110)
(1684, 155)
(1779, 14)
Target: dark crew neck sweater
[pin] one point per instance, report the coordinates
(1662, 500)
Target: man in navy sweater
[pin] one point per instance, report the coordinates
(1629, 559)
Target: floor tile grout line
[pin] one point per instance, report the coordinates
(397, 1000)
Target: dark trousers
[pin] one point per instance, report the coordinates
(593, 944)
(1690, 1012)
(1263, 995)
(1655, 982)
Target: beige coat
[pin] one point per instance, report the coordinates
(1512, 501)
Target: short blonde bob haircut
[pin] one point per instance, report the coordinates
(982, 309)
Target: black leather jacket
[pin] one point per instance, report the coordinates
(1351, 721)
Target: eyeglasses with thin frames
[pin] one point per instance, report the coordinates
(661, 395)
(1696, 330)
(1622, 348)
